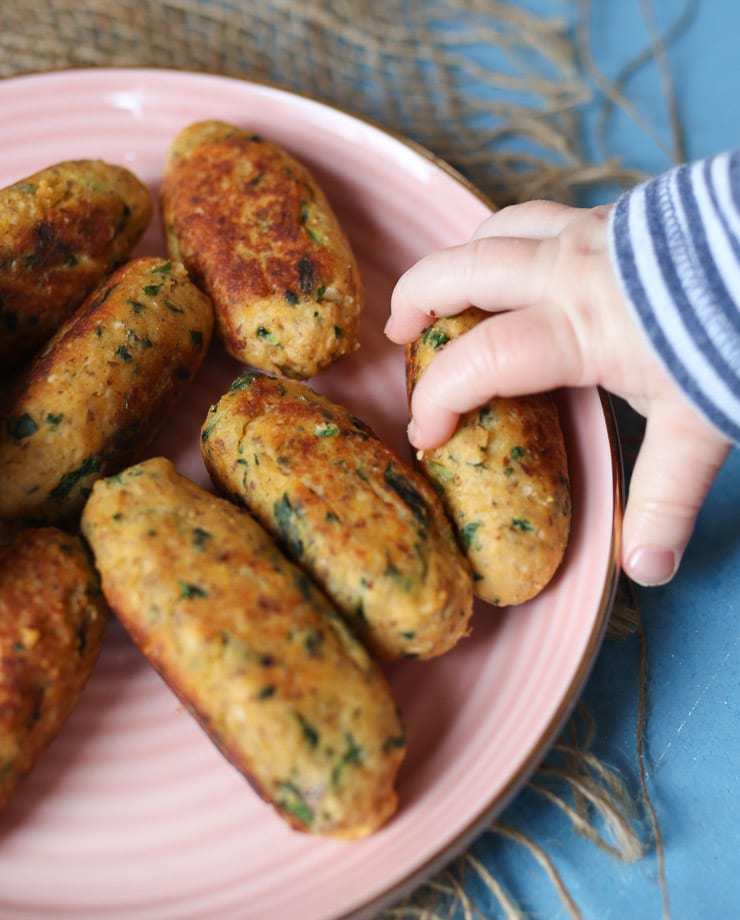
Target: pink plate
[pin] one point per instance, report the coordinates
(132, 813)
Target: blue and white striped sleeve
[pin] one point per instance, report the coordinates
(675, 244)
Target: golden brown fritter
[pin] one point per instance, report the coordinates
(367, 526)
(52, 616)
(252, 648)
(259, 236)
(101, 389)
(503, 477)
(62, 231)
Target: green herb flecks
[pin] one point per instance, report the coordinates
(313, 642)
(285, 518)
(291, 800)
(191, 591)
(468, 535)
(393, 573)
(151, 290)
(522, 524)
(434, 337)
(244, 381)
(441, 472)
(487, 417)
(21, 427)
(408, 494)
(316, 237)
(201, 538)
(71, 479)
(394, 742)
(124, 354)
(208, 429)
(305, 588)
(326, 430)
(269, 337)
(352, 754)
(310, 735)
(164, 269)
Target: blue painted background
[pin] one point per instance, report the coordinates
(692, 626)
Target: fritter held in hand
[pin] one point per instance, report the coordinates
(101, 389)
(503, 477)
(367, 526)
(62, 231)
(259, 236)
(52, 616)
(251, 647)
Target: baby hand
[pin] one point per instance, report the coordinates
(559, 318)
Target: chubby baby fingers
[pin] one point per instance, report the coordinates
(511, 354)
(536, 219)
(679, 459)
(492, 273)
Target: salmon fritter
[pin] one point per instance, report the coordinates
(101, 389)
(52, 619)
(367, 526)
(251, 647)
(62, 231)
(258, 234)
(503, 477)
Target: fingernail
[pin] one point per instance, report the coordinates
(388, 326)
(649, 566)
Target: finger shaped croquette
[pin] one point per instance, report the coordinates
(366, 525)
(62, 231)
(259, 236)
(253, 649)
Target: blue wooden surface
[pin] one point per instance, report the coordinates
(692, 626)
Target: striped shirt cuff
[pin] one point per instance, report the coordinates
(675, 244)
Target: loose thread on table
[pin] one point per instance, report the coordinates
(544, 860)
(647, 56)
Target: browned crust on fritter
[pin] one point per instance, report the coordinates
(254, 650)
(259, 236)
(365, 524)
(62, 230)
(52, 616)
(503, 477)
(101, 389)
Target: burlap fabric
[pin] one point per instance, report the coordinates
(414, 67)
